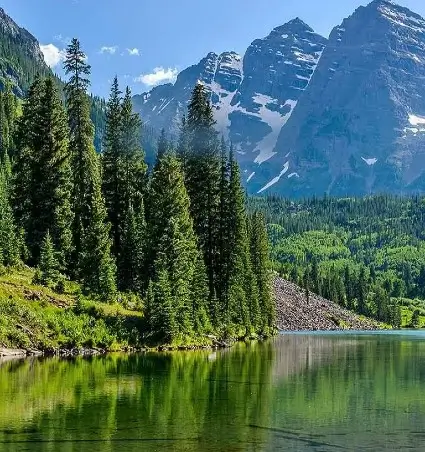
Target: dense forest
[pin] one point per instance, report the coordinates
(176, 239)
(367, 254)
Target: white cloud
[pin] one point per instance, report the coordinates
(52, 54)
(109, 49)
(134, 52)
(158, 76)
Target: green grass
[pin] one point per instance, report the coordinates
(408, 306)
(34, 316)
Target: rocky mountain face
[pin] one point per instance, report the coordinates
(360, 126)
(21, 60)
(253, 95)
(310, 116)
(20, 55)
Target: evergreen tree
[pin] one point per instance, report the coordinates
(124, 172)
(134, 166)
(183, 144)
(203, 179)
(8, 117)
(199, 295)
(243, 305)
(362, 293)
(4, 129)
(29, 140)
(9, 243)
(222, 269)
(173, 249)
(132, 257)
(261, 266)
(162, 145)
(83, 155)
(93, 262)
(48, 270)
(163, 313)
(97, 267)
(314, 277)
(112, 165)
(47, 183)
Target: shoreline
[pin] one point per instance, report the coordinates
(20, 353)
(8, 353)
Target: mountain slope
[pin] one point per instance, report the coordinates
(253, 96)
(20, 55)
(21, 60)
(296, 312)
(360, 126)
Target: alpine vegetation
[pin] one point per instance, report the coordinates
(178, 238)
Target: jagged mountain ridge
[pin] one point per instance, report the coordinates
(253, 96)
(360, 127)
(357, 123)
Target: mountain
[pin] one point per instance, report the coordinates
(20, 55)
(21, 60)
(253, 95)
(360, 126)
(310, 116)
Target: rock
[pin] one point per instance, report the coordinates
(34, 352)
(360, 127)
(294, 313)
(33, 295)
(10, 352)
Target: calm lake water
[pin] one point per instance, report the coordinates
(299, 392)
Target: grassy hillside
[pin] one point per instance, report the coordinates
(36, 317)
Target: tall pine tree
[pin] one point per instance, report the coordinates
(174, 252)
(93, 263)
(46, 183)
(83, 155)
(261, 267)
(112, 165)
(203, 165)
(243, 304)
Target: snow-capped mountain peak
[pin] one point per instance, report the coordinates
(253, 95)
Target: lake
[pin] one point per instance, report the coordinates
(298, 392)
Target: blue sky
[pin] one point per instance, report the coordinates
(147, 41)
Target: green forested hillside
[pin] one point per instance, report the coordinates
(365, 253)
(177, 241)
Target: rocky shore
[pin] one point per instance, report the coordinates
(297, 313)
(20, 353)
(294, 313)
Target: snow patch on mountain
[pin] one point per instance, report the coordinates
(402, 18)
(290, 176)
(251, 176)
(417, 120)
(275, 120)
(370, 162)
(276, 179)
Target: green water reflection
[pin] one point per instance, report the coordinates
(297, 392)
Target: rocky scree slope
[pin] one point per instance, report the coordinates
(297, 313)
